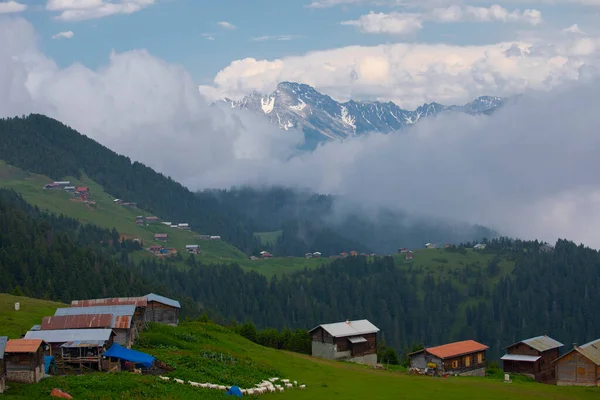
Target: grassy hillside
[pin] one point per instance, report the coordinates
(15, 323)
(204, 352)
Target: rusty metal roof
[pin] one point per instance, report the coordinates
(23, 345)
(117, 301)
(541, 343)
(456, 349)
(84, 321)
(3, 340)
(121, 321)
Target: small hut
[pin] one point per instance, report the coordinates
(24, 360)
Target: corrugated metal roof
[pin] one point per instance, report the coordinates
(591, 350)
(23, 345)
(456, 349)
(121, 321)
(161, 299)
(36, 328)
(70, 335)
(357, 339)
(116, 301)
(349, 328)
(541, 343)
(520, 357)
(114, 310)
(3, 340)
(82, 321)
(84, 343)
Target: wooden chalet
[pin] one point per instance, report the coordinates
(354, 341)
(162, 310)
(122, 320)
(3, 341)
(161, 237)
(192, 248)
(460, 358)
(24, 360)
(580, 366)
(533, 357)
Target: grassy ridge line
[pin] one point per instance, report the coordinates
(203, 352)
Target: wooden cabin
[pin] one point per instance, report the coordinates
(580, 366)
(57, 338)
(465, 358)
(533, 357)
(354, 341)
(24, 360)
(3, 341)
(121, 319)
(162, 310)
(83, 353)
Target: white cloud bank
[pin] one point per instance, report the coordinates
(227, 25)
(529, 170)
(9, 7)
(401, 23)
(79, 10)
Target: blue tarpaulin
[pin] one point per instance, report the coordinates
(234, 391)
(137, 357)
(49, 361)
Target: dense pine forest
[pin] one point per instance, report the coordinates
(552, 293)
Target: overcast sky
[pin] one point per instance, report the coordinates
(530, 170)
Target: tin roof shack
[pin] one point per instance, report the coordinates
(24, 360)
(580, 366)
(354, 341)
(533, 357)
(465, 358)
(57, 338)
(86, 354)
(162, 310)
(3, 340)
(121, 319)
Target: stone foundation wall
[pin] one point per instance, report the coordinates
(475, 372)
(2, 384)
(21, 376)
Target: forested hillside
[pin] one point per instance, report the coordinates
(519, 292)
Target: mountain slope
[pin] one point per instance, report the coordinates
(295, 105)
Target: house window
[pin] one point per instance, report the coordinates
(455, 364)
(467, 361)
(480, 358)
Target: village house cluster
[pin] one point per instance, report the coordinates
(90, 335)
(538, 358)
(81, 193)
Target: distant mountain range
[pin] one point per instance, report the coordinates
(296, 105)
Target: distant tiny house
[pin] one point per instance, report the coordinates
(479, 246)
(215, 237)
(3, 341)
(308, 255)
(460, 358)
(429, 246)
(151, 219)
(402, 250)
(533, 357)
(317, 254)
(408, 256)
(24, 360)
(184, 226)
(580, 366)
(161, 237)
(192, 248)
(354, 341)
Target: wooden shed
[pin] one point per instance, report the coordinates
(118, 318)
(57, 338)
(465, 358)
(580, 366)
(354, 341)
(162, 310)
(3, 341)
(533, 357)
(24, 360)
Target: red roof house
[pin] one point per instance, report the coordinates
(461, 358)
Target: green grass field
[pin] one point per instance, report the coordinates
(204, 352)
(15, 323)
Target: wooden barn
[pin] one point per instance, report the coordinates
(354, 341)
(465, 358)
(162, 310)
(533, 357)
(3, 340)
(580, 366)
(24, 359)
(120, 319)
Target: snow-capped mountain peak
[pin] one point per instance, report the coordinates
(296, 105)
